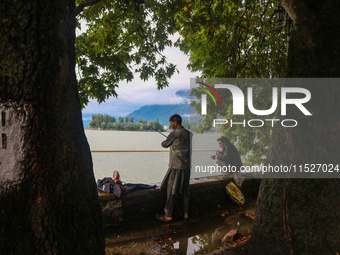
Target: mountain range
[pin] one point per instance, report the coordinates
(162, 112)
(152, 112)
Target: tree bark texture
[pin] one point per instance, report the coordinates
(302, 216)
(48, 197)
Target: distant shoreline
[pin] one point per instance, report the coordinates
(151, 131)
(124, 130)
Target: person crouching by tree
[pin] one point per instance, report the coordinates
(229, 156)
(176, 180)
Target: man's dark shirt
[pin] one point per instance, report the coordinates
(230, 156)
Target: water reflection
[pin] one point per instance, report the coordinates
(210, 240)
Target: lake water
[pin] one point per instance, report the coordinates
(140, 166)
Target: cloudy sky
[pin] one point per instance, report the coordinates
(133, 95)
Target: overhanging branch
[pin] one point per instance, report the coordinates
(84, 4)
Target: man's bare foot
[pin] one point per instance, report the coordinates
(163, 217)
(186, 216)
(167, 217)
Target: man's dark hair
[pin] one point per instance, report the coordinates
(177, 118)
(223, 139)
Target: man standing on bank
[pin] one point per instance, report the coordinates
(176, 180)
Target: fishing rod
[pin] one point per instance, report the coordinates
(158, 131)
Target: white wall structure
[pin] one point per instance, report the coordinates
(12, 122)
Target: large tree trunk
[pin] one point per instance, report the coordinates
(48, 199)
(302, 216)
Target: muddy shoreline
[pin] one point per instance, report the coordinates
(203, 234)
